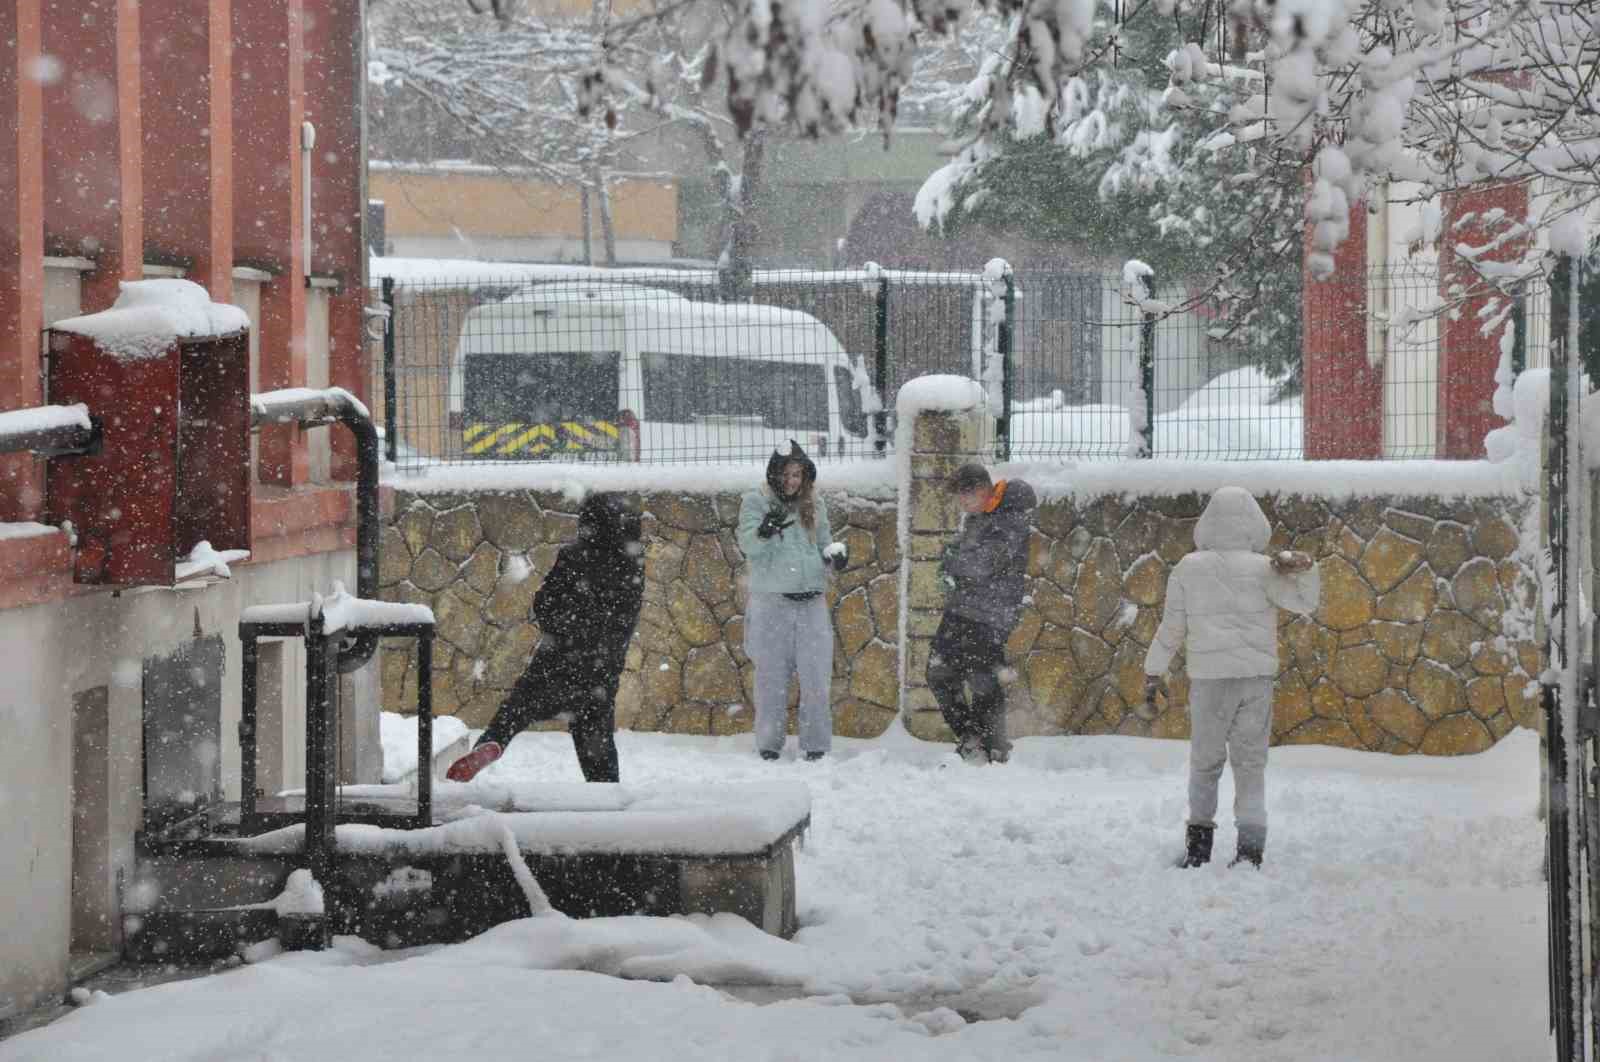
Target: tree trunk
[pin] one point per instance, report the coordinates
(588, 244)
(735, 265)
(599, 17)
(608, 229)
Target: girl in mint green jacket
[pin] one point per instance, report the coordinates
(785, 535)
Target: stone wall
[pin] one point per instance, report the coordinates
(478, 559)
(1423, 642)
(1418, 645)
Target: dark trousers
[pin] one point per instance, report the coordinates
(556, 684)
(967, 656)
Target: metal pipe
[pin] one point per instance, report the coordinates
(311, 408)
(391, 436)
(54, 431)
(308, 141)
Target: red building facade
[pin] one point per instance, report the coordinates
(165, 138)
(169, 137)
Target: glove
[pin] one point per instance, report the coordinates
(1290, 561)
(1154, 686)
(840, 557)
(773, 523)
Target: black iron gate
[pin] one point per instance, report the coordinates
(1569, 746)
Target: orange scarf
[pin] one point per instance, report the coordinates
(994, 498)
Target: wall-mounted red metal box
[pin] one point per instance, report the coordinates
(166, 372)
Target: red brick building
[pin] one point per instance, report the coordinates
(164, 138)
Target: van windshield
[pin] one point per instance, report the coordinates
(540, 388)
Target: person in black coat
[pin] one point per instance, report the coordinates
(586, 609)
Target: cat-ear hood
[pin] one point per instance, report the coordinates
(778, 459)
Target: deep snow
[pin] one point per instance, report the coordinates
(1400, 916)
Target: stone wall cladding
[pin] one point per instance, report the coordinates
(1423, 642)
(478, 559)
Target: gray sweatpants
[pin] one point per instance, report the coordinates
(1230, 722)
(783, 638)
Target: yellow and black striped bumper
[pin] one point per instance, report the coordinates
(539, 440)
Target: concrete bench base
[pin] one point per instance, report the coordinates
(406, 888)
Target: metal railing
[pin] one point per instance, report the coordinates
(539, 363)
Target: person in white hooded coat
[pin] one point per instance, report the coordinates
(1222, 611)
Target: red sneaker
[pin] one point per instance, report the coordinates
(468, 766)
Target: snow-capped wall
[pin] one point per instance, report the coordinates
(1424, 643)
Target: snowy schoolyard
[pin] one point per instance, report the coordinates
(956, 912)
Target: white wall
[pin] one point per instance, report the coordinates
(63, 288)
(1183, 362)
(523, 248)
(1410, 354)
(52, 653)
(318, 442)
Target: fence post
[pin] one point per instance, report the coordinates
(1007, 375)
(391, 441)
(1147, 368)
(880, 366)
(1563, 757)
(1519, 331)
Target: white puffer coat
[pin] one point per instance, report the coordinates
(1223, 599)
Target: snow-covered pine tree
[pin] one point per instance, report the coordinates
(1125, 170)
(1355, 92)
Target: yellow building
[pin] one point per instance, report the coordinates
(462, 210)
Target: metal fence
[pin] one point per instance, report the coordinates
(539, 363)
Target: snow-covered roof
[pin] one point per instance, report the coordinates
(652, 320)
(442, 272)
(150, 314)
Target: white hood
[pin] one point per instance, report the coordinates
(1223, 599)
(1232, 520)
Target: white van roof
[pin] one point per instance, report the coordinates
(661, 321)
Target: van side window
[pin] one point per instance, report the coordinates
(682, 388)
(851, 416)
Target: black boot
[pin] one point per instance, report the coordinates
(1252, 841)
(1197, 846)
(1247, 853)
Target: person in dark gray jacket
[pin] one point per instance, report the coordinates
(983, 573)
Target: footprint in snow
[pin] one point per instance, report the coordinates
(1269, 1030)
(1093, 944)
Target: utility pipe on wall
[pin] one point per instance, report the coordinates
(54, 431)
(313, 408)
(308, 140)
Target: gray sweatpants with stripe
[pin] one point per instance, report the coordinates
(1230, 722)
(783, 638)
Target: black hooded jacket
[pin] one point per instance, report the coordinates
(589, 603)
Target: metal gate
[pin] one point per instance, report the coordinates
(1571, 765)
(182, 731)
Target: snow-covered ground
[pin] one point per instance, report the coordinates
(954, 912)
